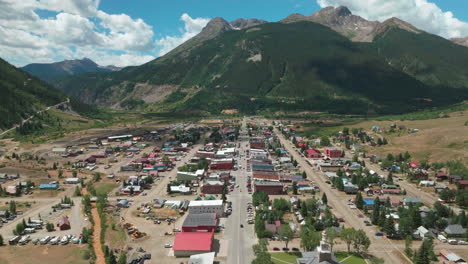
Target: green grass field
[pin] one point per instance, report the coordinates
(104, 187)
(349, 258)
(284, 258)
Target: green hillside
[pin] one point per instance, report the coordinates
(298, 66)
(22, 95)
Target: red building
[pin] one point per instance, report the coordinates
(333, 152)
(212, 187)
(313, 154)
(222, 164)
(462, 185)
(200, 223)
(271, 188)
(191, 243)
(266, 176)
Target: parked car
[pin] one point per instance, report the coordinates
(379, 234)
(276, 249)
(168, 246)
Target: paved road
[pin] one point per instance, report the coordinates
(380, 246)
(240, 239)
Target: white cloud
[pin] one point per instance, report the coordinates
(79, 29)
(192, 26)
(421, 13)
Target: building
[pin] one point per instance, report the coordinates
(273, 227)
(63, 223)
(411, 200)
(187, 244)
(462, 185)
(327, 167)
(350, 188)
(448, 255)
(205, 258)
(271, 188)
(266, 176)
(313, 154)
(212, 187)
(262, 167)
(453, 179)
(222, 164)
(368, 203)
(455, 231)
(421, 233)
(48, 186)
(207, 206)
(333, 152)
(322, 255)
(180, 189)
(72, 180)
(200, 222)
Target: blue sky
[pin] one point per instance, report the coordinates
(164, 15)
(132, 32)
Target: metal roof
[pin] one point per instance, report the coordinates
(194, 220)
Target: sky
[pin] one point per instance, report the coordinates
(132, 32)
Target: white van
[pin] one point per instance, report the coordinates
(452, 242)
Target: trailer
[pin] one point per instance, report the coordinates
(14, 240)
(24, 240)
(54, 241)
(64, 240)
(45, 240)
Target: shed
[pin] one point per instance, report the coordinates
(63, 223)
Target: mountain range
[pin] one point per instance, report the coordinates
(330, 60)
(51, 71)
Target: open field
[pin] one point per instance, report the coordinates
(32, 254)
(347, 258)
(439, 139)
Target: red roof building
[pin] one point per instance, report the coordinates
(191, 243)
(313, 154)
(463, 185)
(413, 164)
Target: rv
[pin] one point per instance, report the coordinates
(14, 240)
(54, 241)
(24, 240)
(29, 230)
(45, 240)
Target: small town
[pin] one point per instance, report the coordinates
(192, 193)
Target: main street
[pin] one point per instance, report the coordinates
(380, 246)
(240, 239)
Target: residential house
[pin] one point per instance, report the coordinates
(453, 179)
(274, 227)
(451, 257)
(421, 233)
(462, 185)
(411, 200)
(455, 231)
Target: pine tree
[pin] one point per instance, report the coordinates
(324, 198)
(359, 201)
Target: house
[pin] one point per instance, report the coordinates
(368, 203)
(132, 190)
(206, 222)
(441, 176)
(187, 244)
(274, 227)
(313, 154)
(207, 206)
(448, 255)
(427, 183)
(462, 185)
(453, 179)
(63, 223)
(421, 233)
(183, 176)
(205, 258)
(333, 152)
(411, 200)
(3, 213)
(455, 231)
(271, 188)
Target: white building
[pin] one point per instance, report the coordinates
(72, 180)
(207, 206)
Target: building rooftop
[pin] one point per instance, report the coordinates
(206, 203)
(194, 220)
(193, 241)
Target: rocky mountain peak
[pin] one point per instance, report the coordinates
(215, 27)
(460, 41)
(242, 23)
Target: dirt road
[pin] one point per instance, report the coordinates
(100, 259)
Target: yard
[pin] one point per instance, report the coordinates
(349, 258)
(285, 258)
(104, 187)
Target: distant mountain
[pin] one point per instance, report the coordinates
(318, 62)
(51, 71)
(461, 41)
(21, 95)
